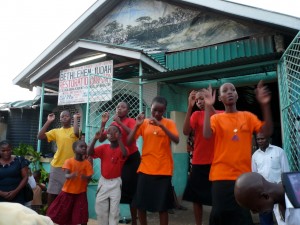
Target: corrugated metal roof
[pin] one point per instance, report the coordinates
(220, 53)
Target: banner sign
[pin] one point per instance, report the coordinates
(74, 88)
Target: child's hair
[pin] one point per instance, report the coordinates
(75, 144)
(118, 128)
(160, 99)
(5, 142)
(127, 105)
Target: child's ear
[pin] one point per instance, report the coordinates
(219, 98)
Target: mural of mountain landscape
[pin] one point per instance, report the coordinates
(157, 26)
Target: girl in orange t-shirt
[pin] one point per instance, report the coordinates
(71, 205)
(156, 168)
(233, 132)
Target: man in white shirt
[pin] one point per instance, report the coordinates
(270, 161)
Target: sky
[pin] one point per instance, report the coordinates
(29, 27)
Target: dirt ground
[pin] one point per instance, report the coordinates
(179, 217)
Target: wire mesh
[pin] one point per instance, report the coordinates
(120, 90)
(289, 88)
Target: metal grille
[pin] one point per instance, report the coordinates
(289, 88)
(122, 90)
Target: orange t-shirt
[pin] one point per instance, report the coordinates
(156, 156)
(77, 185)
(232, 152)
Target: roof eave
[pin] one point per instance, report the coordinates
(250, 12)
(108, 49)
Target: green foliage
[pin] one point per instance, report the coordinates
(44, 175)
(34, 157)
(29, 153)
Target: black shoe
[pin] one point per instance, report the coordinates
(124, 221)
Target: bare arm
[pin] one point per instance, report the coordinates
(70, 175)
(172, 136)
(90, 150)
(186, 124)
(122, 147)
(12, 194)
(105, 117)
(263, 96)
(209, 98)
(75, 125)
(139, 120)
(120, 123)
(41, 135)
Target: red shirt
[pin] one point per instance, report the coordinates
(128, 122)
(112, 160)
(203, 148)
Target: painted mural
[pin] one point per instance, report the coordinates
(156, 26)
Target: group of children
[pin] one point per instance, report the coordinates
(229, 133)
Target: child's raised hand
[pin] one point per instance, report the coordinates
(117, 119)
(105, 117)
(263, 94)
(76, 116)
(209, 95)
(140, 118)
(97, 135)
(51, 117)
(192, 98)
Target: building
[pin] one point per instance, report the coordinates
(169, 48)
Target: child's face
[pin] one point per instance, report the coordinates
(200, 100)
(5, 151)
(112, 133)
(228, 94)
(81, 148)
(65, 117)
(157, 110)
(122, 109)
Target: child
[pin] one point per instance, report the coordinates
(112, 157)
(37, 203)
(64, 138)
(71, 206)
(233, 132)
(254, 192)
(32, 183)
(154, 186)
(198, 188)
(129, 175)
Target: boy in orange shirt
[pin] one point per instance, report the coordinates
(71, 206)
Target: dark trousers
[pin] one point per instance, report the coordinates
(266, 219)
(225, 210)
